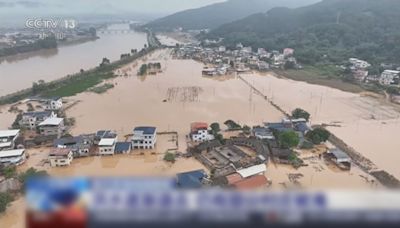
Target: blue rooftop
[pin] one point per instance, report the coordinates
(121, 147)
(146, 130)
(191, 179)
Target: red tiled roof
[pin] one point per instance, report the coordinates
(197, 126)
(251, 182)
(234, 178)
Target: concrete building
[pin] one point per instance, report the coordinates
(359, 64)
(80, 146)
(52, 127)
(144, 138)
(30, 120)
(12, 157)
(7, 139)
(288, 52)
(60, 157)
(107, 146)
(389, 77)
(199, 132)
(53, 104)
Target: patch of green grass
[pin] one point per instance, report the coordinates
(326, 75)
(102, 88)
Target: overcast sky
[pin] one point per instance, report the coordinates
(10, 7)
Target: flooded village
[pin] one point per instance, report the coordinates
(208, 122)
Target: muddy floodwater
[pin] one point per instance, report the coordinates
(20, 71)
(171, 100)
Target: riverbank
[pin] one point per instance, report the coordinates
(76, 83)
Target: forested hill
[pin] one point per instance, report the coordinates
(214, 15)
(330, 30)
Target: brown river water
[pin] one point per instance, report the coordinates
(171, 100)
(20, 71)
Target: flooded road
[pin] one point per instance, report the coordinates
(20, 71)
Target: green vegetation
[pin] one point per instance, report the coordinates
(143, 70)
(147, 68)
(46, 43)
(232, 125)
(322, 74)
(30, 173)
(102, 88)
(288, 139)
(214, 15)
(246, 129)
(170, 157)
(215, 128)
(5, 199)
(330, 31)
(318, 135)
(300, 113)
(74, 84)
(8, 172)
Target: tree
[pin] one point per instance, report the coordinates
(318, 135)
(31, 173)
(289, 65)
(9, 171)
(169, 157)
(5, 199)
(288, 139)
(143, 69)
(300, 113)
(215, 128)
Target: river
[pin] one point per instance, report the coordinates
(20, 71)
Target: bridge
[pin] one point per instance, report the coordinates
(115, 31)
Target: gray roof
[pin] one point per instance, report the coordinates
(122, 147)
(339, 154)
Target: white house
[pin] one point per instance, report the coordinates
(55, 103)
(107, 146)
(288, 52)
(389, 77)
(199, 132)
(144, 137)
(52, 127)
(14, 157)
(7, 139)
(30, 120)
(222, 49)
(252, 171)
(60, 157)
(359, 64)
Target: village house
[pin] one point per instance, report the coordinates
(199, 132)
(123, 147)
(60, 157)
(340, 158)
(8, 138)
(52, 127)
(389, 77)
(80, 146)
(262, 133)
(288, 52)
(107, 146)
(30, 120)
(191, 180)
(221, 49)
(144, 138)
(359, 64)
(12, 157)
(53, 104)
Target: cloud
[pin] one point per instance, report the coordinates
(6, 4)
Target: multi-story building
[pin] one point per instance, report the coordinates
(52, 127)
(31, 120)
(199, 132)
(60, 157)
(144, 138)
(13, 157)
(389, 77)
(7, 139)
(55, 103)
